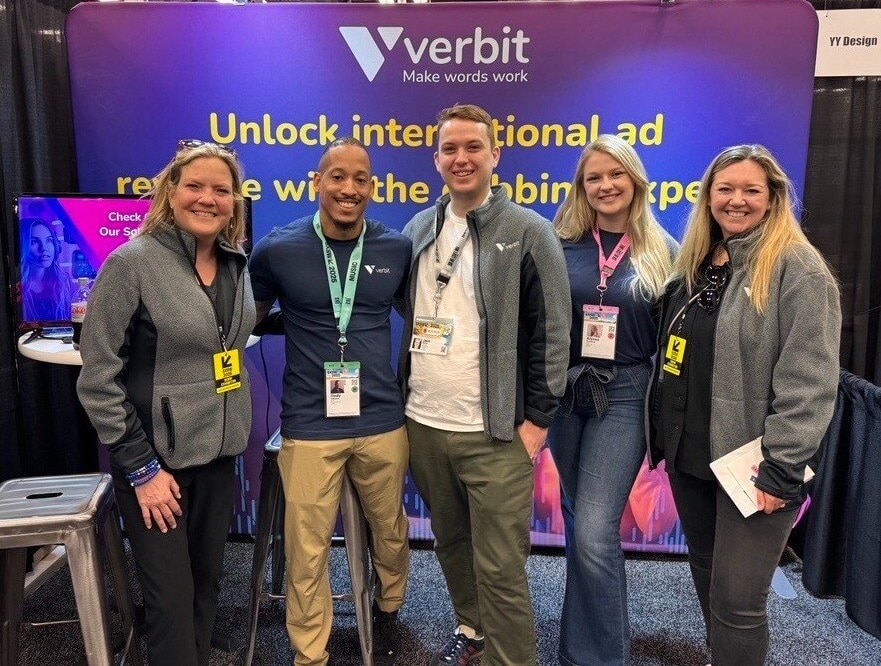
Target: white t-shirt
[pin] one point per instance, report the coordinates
(444, 391)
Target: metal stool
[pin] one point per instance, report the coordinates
(70, 510)
(270, 542)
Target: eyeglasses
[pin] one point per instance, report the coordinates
(183, 144)
(711, 295)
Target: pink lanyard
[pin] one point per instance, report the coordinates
(608, 266)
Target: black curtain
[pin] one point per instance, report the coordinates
(843, 208)
(42, 428)
(842, 202)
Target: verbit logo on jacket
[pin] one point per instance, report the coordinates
(477, 48)
(372, 268)
(507, 246)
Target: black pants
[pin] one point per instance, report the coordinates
(732, 562)
(180, 570)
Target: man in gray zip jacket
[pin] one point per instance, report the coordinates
(487, 334)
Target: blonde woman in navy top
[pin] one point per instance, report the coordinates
(618, 258)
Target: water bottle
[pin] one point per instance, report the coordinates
(78, 309)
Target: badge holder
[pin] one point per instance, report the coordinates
(227, 371)
(674, 354)
(342, 386)
(600, 326)
(431, 335)
(434, 335)
(599, 331)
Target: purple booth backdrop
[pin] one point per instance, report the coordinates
(278, 82)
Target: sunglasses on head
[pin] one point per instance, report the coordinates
(711, 295)
(184, 144)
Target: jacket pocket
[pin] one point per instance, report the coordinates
(193, 424)
(168, 417)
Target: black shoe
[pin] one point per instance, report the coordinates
(458, 651)
(386, 636)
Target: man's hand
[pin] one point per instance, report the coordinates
(533, 437)
(158, 501)
(262, 309)
(269, 320)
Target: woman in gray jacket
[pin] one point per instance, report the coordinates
(749, 341)
(164, 384)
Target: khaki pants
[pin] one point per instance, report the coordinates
(311, 474)
(479, 492)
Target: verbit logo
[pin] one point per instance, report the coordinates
(364, 47)
(371, 269)
(476, 48)
(507, 246)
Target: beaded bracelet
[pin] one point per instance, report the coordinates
(143, 474)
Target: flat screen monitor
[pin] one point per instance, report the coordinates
(63, 237)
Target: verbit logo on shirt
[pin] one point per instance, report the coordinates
(507, 246)
(371, 269)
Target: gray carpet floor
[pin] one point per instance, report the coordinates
(667, 628)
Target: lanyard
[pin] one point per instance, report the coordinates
(217, 278)
(445, 272)
(343, 299)
(608, 266)
(682, 311)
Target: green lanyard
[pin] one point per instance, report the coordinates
(343, 299)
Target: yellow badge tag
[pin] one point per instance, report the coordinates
(227, 371)
(674, 355)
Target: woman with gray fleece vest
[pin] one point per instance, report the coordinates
(749, 338)
(164, 383)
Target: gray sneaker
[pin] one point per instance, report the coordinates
(459, 650)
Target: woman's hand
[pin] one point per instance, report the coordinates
(768, 503)
(158, 501)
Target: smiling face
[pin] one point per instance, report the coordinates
(739, 197)
(344, 185)
(202, 202)
(42, 247)
(465, 159)
(609, 189)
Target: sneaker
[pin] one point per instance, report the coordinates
(458, 651)
(386, 636)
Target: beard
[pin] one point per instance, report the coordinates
(345, 226)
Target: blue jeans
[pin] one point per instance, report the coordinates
(598, 459)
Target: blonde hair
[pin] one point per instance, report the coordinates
(778, 230)
(159, 216)
(649, 251)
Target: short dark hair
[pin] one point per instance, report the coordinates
(342, 141)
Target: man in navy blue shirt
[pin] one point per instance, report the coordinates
(335, 275)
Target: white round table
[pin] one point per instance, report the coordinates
(50, 350)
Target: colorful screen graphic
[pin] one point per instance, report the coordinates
(278, 82)
(63, 238)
